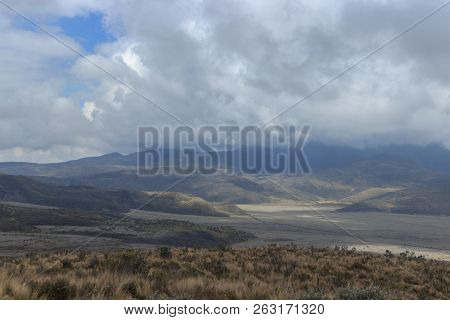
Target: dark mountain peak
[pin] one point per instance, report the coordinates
(108, 158)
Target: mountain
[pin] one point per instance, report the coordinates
(341, 175)
(216, 188)
(383, 170)
(321, 158)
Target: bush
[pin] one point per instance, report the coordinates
(311, 295)
(66, 264)
(93, 262)
(128, 262)
(130, 288)
(165, 253)
(369, 293)
(86, 290)
(59, 289)
(216, 267)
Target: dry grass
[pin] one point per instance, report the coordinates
(273, 272)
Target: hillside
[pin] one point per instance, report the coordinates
(396, 178)
(273, 272)
(50, 229)
(22, 189)
(27, 190)
(182, 203)
(215, 188)
(411, 201)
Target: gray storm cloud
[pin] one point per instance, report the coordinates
(220, 62)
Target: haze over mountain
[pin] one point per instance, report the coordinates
(400, 174)
(320, 156)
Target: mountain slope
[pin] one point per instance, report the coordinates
(428, 201)
(27, 190)
(22, 189)
(72, 226)
(182, 203)
(321, 157)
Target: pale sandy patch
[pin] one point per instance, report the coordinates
(274, 208)
(381, 248)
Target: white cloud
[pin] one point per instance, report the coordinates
(224, 62)
(133, 61)
(89, 110)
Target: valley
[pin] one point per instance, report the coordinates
(370, 201)
(298, 224)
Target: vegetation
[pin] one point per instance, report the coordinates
(21, 189)
(430, 200)
(273, 272)
(27, 190)
(41, 222)
(184, 203)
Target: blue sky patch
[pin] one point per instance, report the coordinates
(87, 30)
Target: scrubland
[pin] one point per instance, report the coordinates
(273, 272)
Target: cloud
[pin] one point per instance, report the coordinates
(133, 61)
(89, 110)
(216, 62)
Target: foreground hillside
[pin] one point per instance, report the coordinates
(28, 228)
(253, 273)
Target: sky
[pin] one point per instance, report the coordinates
(219, 62)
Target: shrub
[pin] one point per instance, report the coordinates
(81, 255)
(87, 290)
(130, 288)
(369, 293)
(66, 264)
(128, 262)
(311, 295)
(59, 289)
(160, 283)
(165, 253)
(216, 267)
(388, 254)
(93, 262)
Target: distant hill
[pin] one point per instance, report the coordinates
(22, 189)
(382, 170)
(321, 157)
(215, 188)
(344, 175)
(181, 203)
(411, 201)
(27, 190)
